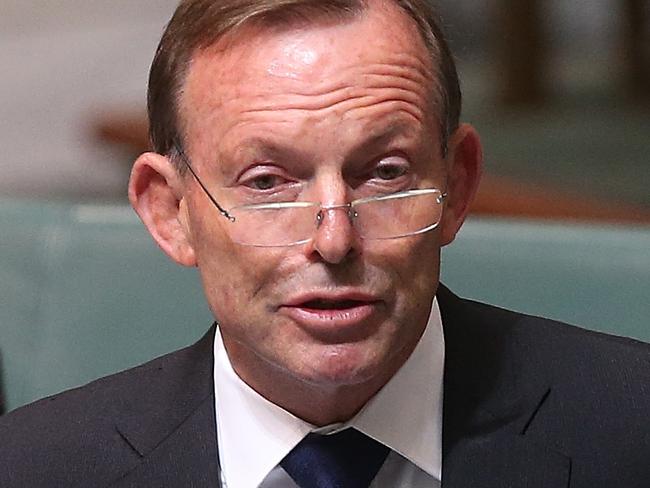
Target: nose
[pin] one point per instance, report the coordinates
(335, 238)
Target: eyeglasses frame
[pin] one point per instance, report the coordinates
(350, 206)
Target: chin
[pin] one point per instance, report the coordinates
(341, 365)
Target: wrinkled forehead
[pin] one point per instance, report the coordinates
(308, 56)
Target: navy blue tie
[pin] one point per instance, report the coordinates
(347, 459)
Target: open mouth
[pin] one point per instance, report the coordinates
(321, 304)
(333, 315)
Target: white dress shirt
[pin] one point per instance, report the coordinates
(254, 435)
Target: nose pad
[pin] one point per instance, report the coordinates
(320, 216)
(335, 235)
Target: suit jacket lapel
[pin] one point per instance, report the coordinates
(171, 423)
(487, 406)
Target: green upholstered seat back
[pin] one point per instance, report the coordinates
(86, 292)
(596, 277)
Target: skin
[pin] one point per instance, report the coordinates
(325, 113)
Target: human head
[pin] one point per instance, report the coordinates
(319, 107)
(198, 24)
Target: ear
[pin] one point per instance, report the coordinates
(464, 166)
(156, 192)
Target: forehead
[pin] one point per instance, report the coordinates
(312, 68)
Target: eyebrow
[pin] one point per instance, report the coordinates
(385, 134)
(262, 147)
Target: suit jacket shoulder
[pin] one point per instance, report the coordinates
(552, 392)
(109, 432)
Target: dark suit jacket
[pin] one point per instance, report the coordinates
(527, 403)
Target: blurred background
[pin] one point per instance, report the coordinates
(559, 90)
(66, 63)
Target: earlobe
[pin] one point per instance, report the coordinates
(156, 193)
(464, 166)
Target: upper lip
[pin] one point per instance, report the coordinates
(330, 296)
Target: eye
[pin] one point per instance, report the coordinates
(264, 178)
(391, 168)
(265, 182)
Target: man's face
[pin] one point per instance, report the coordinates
(328, 113)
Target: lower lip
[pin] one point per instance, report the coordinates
(332, 319)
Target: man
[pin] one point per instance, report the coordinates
(309, 161)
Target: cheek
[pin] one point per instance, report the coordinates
(415, 264)
(235, 278)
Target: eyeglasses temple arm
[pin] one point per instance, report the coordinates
(186, 161)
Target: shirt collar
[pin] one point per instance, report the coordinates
(245, 418)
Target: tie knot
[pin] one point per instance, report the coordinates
(347, 459)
